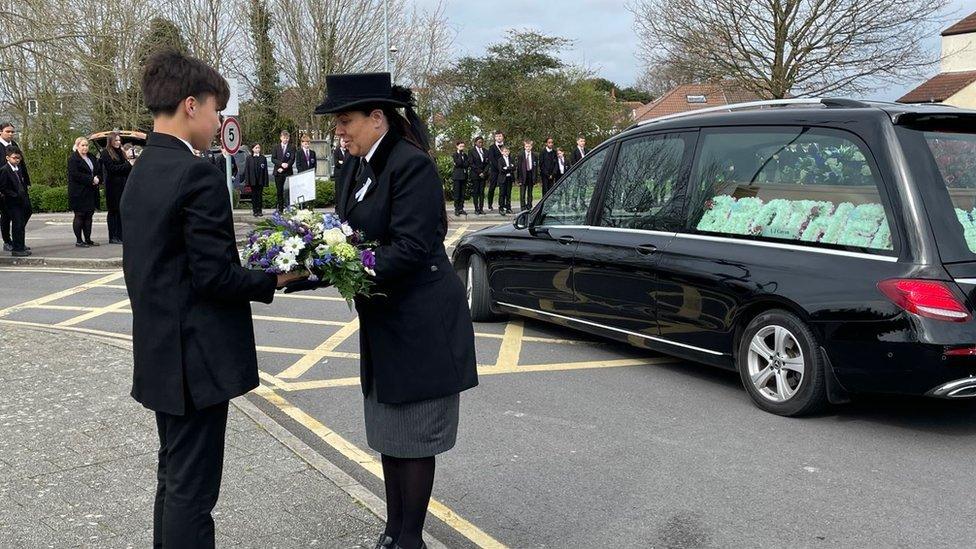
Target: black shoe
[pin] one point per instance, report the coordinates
(82, 245)
(464, 212)
(259, 214)
(8, 247)
(457, 214)
(90, 243)
(21, 253)
(490, 209)
(115, 241)
(385, 542)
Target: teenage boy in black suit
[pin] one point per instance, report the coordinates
(547, 166)
(339, 158)
(527, 174)
(480, 170)
(506, 175)
(306, 156)
(16, 201)
(494, 155)
(6, 140)
(580, 151)
(192, 334)
(460, 177)
(283, 158)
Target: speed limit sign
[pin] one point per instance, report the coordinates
(230, 135)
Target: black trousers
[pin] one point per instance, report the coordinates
(280, 186)
(505, 194)
(114, 219)
(459, 185)
(18, 224)
(478, 193)
(5, 224)
(492, 185)
(525, 194)
(191, 460)
(547, 181)
(257, 200)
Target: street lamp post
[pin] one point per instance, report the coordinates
(386, 33)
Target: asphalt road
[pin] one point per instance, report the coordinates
(571, 441)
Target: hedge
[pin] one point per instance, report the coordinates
(55, 199)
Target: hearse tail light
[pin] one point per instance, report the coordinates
(926, 298)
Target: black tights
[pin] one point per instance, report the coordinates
(408, 486)
(83, 225)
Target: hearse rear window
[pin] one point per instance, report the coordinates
(955, 156)
(802, 185)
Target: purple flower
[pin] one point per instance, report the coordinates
(368, 258)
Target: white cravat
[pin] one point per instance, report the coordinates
(361, 193)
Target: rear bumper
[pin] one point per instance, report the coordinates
(959, 388)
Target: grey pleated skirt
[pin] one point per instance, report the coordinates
(412, 430)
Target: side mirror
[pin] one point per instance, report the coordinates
(522, 220)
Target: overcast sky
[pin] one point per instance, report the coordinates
(601, 29)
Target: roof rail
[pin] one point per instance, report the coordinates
(826, 102)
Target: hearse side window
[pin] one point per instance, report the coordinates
(803, 185)
(640, 192)
(569, 201)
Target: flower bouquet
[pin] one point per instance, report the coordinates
(324, 246)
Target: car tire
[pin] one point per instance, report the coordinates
(780, 364)
(476, 288)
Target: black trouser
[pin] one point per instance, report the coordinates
(492, 184)
(459, 185)
(478, 193)
(546, 183)
(257, 200)
(280, 186)
(525, 193)
(191, 460)
(505, 194)
(5, 223)
(114, 219)
(18, 217)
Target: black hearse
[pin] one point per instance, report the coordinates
(820, 247)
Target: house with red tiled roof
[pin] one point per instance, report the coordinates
(690, 97)
(956, 82)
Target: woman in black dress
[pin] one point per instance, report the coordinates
(416, 339)
(83, 181)
(116, 168)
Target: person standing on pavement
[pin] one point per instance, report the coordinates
(16, 201)
(83, 195)
(283, 159)
(494, 154)
(479, 175)
(256, 177)
(547, 166)
(505, 170)
(306, 156)
(528, 173)
(460, 177)
(7, 132)
(416, 335)
(580, 151)
(192, 332)
(339, 158)
(115, 168)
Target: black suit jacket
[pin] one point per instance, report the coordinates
(548, 161)
(461, 165)
(577, 156)
(494, 154)
(339, 159)
(13, 189)
(504, 173)
(417, 340)
(114, 175)
(281, 156)
(82, 192)
(301, 164)
(256, 171)
(522, 173)
(23, 162)
(191, 317)
(479, 164)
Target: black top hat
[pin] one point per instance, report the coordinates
(345, 92)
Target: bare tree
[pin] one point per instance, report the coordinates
(775, 48)
(425, 48)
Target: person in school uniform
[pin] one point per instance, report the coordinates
(494, 154)
(339, 158)
(7, 132)
(256, 177)
(580, 151)
(306, 156)
(16, 200)
(283, 159)
(459, 176)
(505, 169)
(547, 166)
(527, 172)
(480, 172)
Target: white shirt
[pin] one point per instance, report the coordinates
(12, 167)
(562, 166)
(361, 193)
(185, 142)
(580, 149)
(480, 154)
(5, 143)
(375, 146)
(87, 161)
(506, 160)
(528, 161)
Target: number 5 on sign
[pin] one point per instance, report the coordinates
(230, 141)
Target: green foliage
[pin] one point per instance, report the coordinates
(55, 199)
(623, 94)
(47, 143)
(263, 124)
(36, 194)
(324, 193)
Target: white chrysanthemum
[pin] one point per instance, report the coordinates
(346, 229)
(304, 216)
(333, 237)
(321, 249)
(318, 230)
(293, 245)
(285, 262)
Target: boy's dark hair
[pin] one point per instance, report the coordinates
(479, 138)
(5, 125)
(456, 143)
(170, 77)
(10, 150)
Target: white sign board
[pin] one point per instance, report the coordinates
(301, 187)
(233, 103)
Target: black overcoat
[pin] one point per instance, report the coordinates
(82, 193)
(115, 174)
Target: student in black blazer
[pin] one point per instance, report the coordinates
(580, 151)
(459, 176)
(494, 154)
(83, 196)
(306, 156)
(339, 158)
(527, 173)
(192, 334)
(256, 177)
(479, 175)
(6, 140)
(416, 339)
(115, 168)
(16, 200)
(283, 159)
(547, 166)
(505, 176)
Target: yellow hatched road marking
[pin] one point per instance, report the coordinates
(508, 355)
(62, 294)
(366, 461)
(327, 348)
(457, 235)
(118, 305)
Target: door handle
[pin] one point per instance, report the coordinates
(566, 239)
(646, 249)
